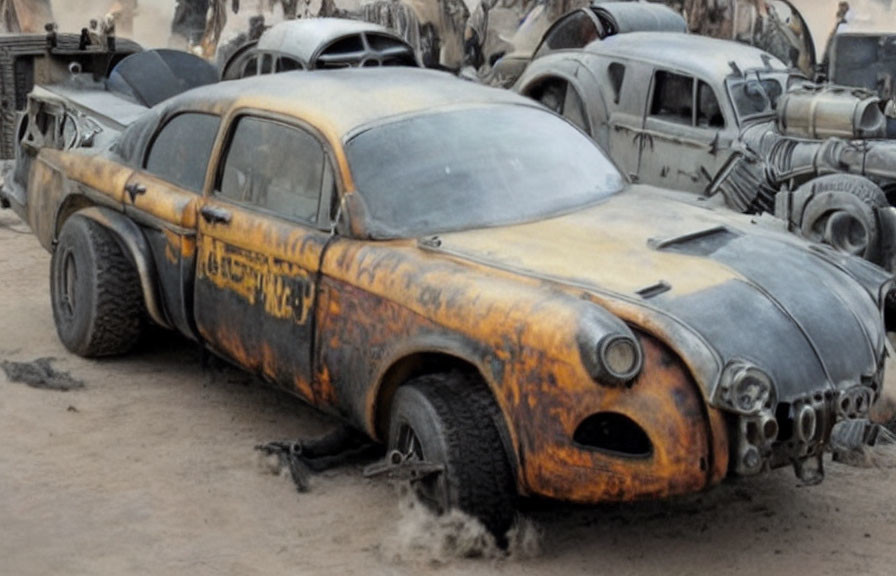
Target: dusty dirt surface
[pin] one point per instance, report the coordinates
(150, 469)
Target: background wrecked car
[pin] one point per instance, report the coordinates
(319, 43)
(716, 117)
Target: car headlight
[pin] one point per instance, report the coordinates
(745, 389)
(615, 360)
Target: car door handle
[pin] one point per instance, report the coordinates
(135, 189)
(215, 215)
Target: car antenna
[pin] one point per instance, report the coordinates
(766, 59)
(735, 68)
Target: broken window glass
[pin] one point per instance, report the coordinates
(616, 73)
(673, 98)
(709, 113)
(181, 150)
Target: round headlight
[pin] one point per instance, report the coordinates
(751, 390)
(620, 357)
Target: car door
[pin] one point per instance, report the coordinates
(684, 126)
(163, 196)
(625, 85)
(261, 237)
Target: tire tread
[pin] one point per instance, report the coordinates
(483, 475)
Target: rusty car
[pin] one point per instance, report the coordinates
(319, 43)
(396, 262)
(716, 117)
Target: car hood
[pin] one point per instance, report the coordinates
(714, 286)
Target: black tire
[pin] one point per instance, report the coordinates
(452, 419)
(841, 211)
(95, 291)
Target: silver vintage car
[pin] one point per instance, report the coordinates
(717, 117)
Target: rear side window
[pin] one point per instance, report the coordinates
(616, 74)
(181, 150)
(285, 64)
(250, 68)
(276, 167)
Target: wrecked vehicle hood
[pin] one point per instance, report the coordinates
(689, 275)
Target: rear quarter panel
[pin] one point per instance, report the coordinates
(60, 182)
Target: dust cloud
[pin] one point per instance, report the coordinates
(425, 539)
(865, 15)
(152, 24)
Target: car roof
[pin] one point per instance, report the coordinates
(632, 16)
(341, 101)
(302, 38)
(708, 57)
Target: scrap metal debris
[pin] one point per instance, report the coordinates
(40, 374)
(861, 443)
(304, 456)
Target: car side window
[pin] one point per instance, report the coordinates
(616, 74)
(557, 95)
(576, 31)
(180, 151)
(673, 98)
(709, 113)
(250, 68)
(285, 64)
(267, 64)
(275, 166)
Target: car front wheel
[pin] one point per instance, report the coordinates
(95, 291)
(451, 420)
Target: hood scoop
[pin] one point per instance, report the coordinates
(699, 243)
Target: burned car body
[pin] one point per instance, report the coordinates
(87, 106)
(599, 343)
(27, 60)
(716, 117)
(319, 43)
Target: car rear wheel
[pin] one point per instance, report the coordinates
(95, 291)
(452, 420)
(841, 212)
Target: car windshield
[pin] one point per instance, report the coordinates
(465, 169)
(755, 94)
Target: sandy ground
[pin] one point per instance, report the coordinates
(150, 469)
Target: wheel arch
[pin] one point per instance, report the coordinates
(431, 360)
(132, 242)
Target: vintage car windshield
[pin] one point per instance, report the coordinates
(465, 169)
(755, 94)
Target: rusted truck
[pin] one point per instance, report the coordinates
(394, 261)
(726, 120)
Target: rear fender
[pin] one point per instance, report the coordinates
(134, 244)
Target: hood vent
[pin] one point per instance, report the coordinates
(700, 243)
